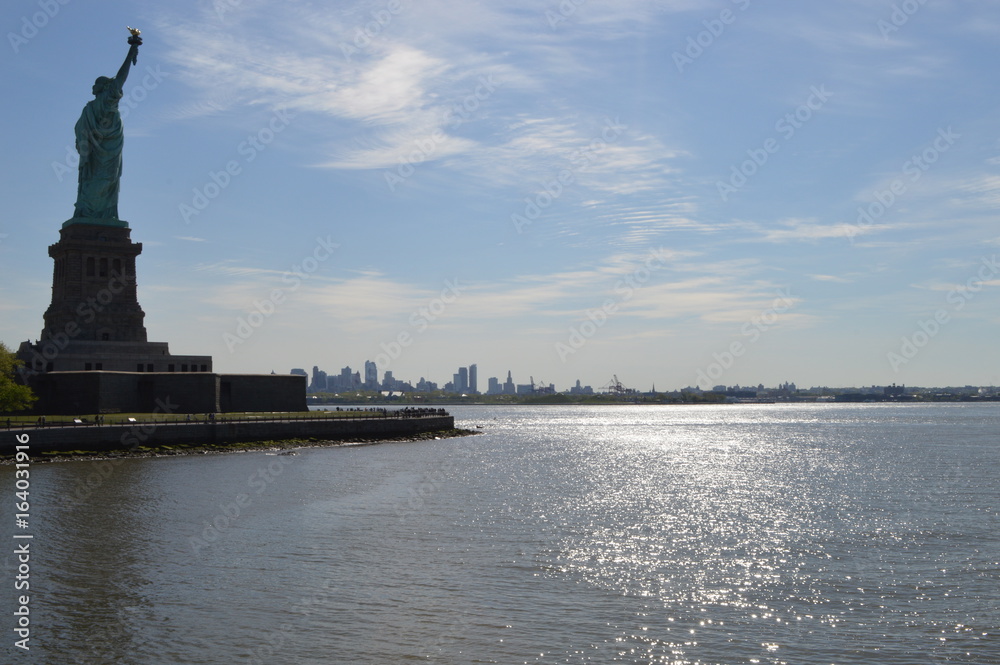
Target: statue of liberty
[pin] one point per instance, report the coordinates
(99, 140)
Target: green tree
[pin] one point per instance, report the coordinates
(13, 396)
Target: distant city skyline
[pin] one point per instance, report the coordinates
(464, 380)
(348, 380)
(676, 193)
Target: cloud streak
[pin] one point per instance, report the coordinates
(402, 88)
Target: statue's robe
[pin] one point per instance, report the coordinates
(99, 140)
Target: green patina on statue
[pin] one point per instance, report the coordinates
(99, 140)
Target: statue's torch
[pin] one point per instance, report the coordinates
(134, 40)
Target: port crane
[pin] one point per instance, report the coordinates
(615, 386)
(541, 388)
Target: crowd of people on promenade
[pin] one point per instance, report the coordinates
(408, 412)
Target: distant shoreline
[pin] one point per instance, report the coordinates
(542, 401)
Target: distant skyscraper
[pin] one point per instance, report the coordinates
(508, 386)
(462, 384)
(318, 380)
(473, 379)
(494, 386)
(371, 375)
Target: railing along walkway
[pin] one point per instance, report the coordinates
(214, 418)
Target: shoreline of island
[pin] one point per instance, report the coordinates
(279, 447)
(221, 435)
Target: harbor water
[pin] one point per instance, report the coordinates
(825, 534)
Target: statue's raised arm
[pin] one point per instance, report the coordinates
(99, 140)
(135, 41)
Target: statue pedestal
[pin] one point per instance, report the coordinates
(93, 285)
(94, 321)
(116, 223)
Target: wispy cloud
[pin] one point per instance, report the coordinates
(830, 278)
(401, 90)
(983, 191)
(808, 230)
(677, 289)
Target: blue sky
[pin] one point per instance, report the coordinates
(675, 192)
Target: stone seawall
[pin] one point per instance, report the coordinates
(106, 438)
